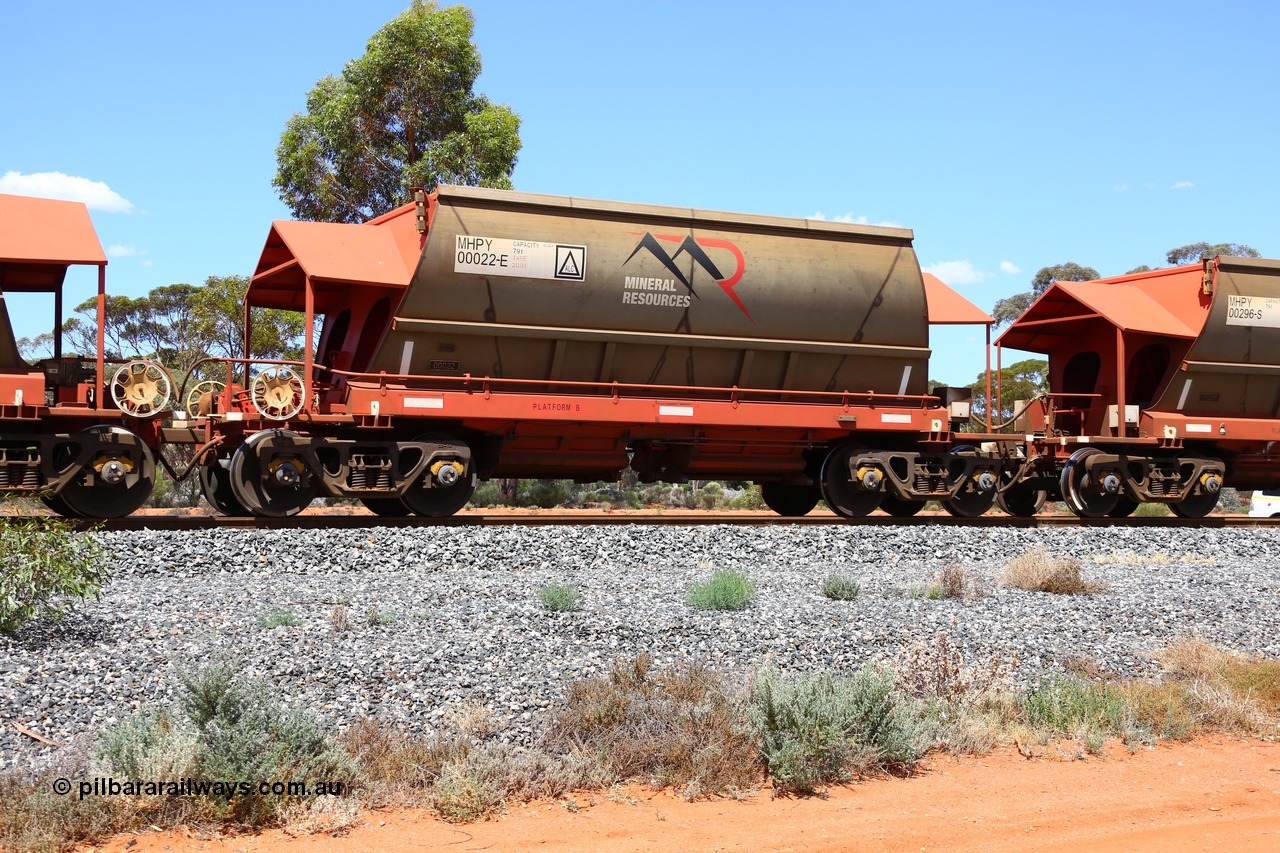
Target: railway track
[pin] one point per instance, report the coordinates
(578, 518)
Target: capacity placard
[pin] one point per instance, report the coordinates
(1253, 311)
(521, 258)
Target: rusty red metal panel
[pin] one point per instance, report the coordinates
(949, 308)
(46, 231)
(327, 250)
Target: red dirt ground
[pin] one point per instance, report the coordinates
(1214, 794)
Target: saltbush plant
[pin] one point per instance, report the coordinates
(840, 587)
(48, 570)
(279, 617)
(725, 590)
(558, 597)
(377, 617)
(225, 728)
(816, 729)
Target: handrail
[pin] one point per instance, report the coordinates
(485, 384)
(612, 387)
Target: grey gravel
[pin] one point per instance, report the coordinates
(466, 627)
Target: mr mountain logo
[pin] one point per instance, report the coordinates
(640, 290)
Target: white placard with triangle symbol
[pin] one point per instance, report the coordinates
(519, 258)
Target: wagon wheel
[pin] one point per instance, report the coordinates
(58, 505)
(971, 501)
(1123, 508)
(277, 393)
(195, 404)
(1082, 496)
(899, 508)
(386, 507)
(141, 388)
(428, 498)
(1022, 500)
(1197, 506)
(215, 485)
(846, 497)
(281, 488)
(789, 500)
(118, 479)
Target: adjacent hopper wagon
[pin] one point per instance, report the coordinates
(1165, 386)
(79, 431)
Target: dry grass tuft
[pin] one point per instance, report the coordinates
(1039, 571)
(679, 728)
(938, 670)
(1086, 667)
(1223, 691)
(339, 619)
(397, 767)
(1129, 558)
(952, 582)
(325, 815)
(1194, 660)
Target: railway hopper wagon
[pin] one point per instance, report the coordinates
(480, 333)
(80, 431)
(1165, 386)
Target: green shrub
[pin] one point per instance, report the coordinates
(726, 590)
(710, 496)
(558, 598)
(279, 617)
(1152, 510)
(751, 499)
(375, 616)
(840, 587)
(818, 728)
(544, 494)
(224, 728)
(487, 494)
(48, 569)
(460, 796)
(1074, 708)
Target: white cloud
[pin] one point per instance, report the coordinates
(1182, 185)
(147, 264)
(1008, 268)
(1150, 186)
(95, 194)
(956, 272)
(850, 219)
(118, 251)
(1121, 188)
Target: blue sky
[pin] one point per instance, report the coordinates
(1009, 136)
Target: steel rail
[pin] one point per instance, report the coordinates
(583, 518)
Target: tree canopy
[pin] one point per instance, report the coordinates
(1011, 308)
(1020, 381)
(402, 115)
(1193, 252)
(178, 324)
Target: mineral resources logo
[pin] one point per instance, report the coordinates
(641, 290)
